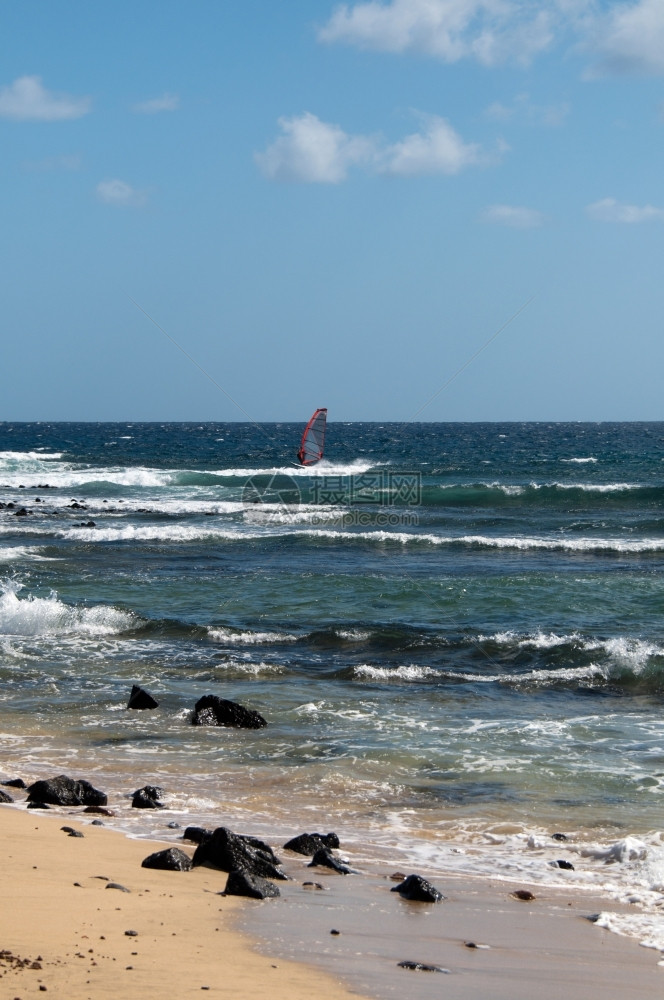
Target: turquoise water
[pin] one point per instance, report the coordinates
(454, 631)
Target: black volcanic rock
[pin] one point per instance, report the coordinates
(418, 889)
(421, 967)
(140, 699)
(14, 783)
(309, 843)
(171, 860)
(324, 859)
(196, 834)
(5, 798)
(213, 711)
(241, 883)
(147, 798)
(230, 852)
(64, 791)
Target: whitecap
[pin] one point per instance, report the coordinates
(14, 553)
(249, 638)
(402, 673)
(41, 616)
(30, 456)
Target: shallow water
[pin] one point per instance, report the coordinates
(454, 632)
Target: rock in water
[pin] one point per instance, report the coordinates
(324, 859)
(418, 889)
(64, 791)
(309, 843)
(147, 798)
(140, 699)
(170, 860)
(525, 895)
(421, 967)
(5, 798)
(230, 852)
(241, 883)
(213, 711)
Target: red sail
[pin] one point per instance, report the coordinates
(313, 439)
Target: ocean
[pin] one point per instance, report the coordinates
(454, 631)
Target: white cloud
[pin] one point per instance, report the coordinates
(490, 31)
(167, 102)
(610, 210)
(630, 38)
(313, 151)
(437, 149)
(625, 36)
(515, 216)
(27, 100)
(116, 192)
(522, 109)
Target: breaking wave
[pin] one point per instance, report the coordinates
(249, 638)
(43, 616)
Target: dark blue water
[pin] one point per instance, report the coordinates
(455, 631)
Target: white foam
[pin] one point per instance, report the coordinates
(311, 708)
(249, 638)
(506, 488)
(631, 653)
(323, 468)
(594, 487)
(623, 651)
(30, 456)
(42, 616)
(158, 533)
(154, 505)
(648, 928)
(252, 669)
(14, 553)
(402, 673)
(538, 640)
(536, 676)
(520, 543)
(274, 513)
(560, 543)
(579, 461)
(622, 851)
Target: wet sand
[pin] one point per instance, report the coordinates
(545, 948)
(58, 914)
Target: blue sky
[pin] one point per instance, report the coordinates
(332, 205)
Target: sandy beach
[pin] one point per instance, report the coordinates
(58, 914)
(64, 930)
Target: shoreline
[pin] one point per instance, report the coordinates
(57, 912)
